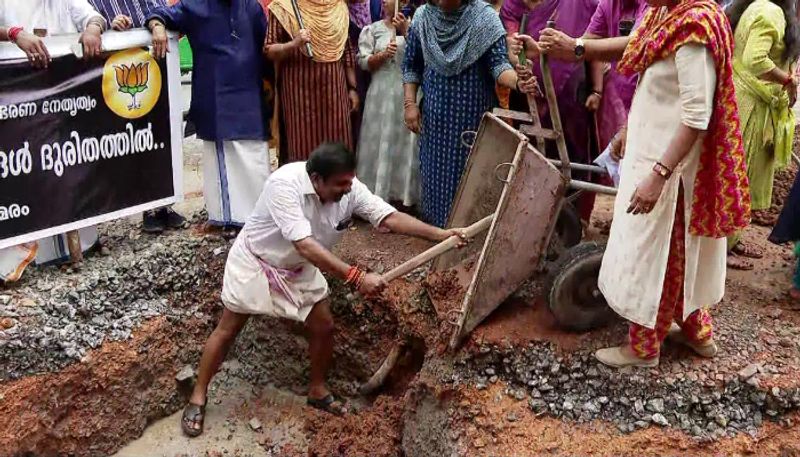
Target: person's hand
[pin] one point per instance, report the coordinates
(558, 45)
(791, 90)
(593, 102)
(517, 42)
(401, 24)
(391, 50)
(34, 49)
(301, 39)
(526, 82)
(411, 117)
(91, 41)
(529, 85)
(160, 40)
(121, 23)
(646, 194)
(618, 144)
(523, 71)
(459, 232)
(371, 285)
(355, 100)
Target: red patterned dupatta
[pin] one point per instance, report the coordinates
(721, 202)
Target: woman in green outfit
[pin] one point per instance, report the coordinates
(767, 44)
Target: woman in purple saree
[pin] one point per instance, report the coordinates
(569, 78)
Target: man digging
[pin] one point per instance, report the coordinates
(275, 265)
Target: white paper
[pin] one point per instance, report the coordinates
(610, 164)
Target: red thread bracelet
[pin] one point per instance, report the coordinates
(351, 274)
(13, 33)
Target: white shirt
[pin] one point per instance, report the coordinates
(56, 16)
(290, 210)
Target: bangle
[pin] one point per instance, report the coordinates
(598, 93)
(408, 103)
(13, 33)
(355, 277)
(352, 274)
(99, 23)
(361, 275)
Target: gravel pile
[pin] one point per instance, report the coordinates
(577, 388)
(55, 315)
(753, 378)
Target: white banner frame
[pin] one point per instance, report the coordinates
(61, 45)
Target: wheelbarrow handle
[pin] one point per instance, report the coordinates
(441, 248)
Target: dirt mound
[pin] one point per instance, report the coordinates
(784, 179)
(373, 432)
(94, 406)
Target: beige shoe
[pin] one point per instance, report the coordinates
(619, 357)
(708, 349)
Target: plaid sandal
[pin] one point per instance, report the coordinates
(193, 414)
(328, 404)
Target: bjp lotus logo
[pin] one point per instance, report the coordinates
(132, 79)
(131, 83)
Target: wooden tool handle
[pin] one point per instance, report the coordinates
(446, 245)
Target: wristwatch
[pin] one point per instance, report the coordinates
(662, 170)
(580, 49)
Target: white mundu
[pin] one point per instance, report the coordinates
(55, 16)
(290, 210)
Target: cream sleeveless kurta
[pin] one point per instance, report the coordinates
(678, 89)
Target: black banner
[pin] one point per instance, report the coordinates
(82, 139)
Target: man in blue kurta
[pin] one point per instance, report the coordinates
(228, 104)
(126, 14)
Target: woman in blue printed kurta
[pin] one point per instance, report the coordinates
(455, 51)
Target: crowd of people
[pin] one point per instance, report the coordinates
(695, 101)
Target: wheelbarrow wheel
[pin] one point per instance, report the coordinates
(575, 300)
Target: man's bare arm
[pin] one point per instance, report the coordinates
(321, 257)
(404, 224)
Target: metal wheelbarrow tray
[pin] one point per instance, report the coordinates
(527, 193)
(507, 176)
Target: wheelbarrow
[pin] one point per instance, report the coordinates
(517, 196)
(573, 296)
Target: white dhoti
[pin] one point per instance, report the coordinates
(233, 174)
(290, 294)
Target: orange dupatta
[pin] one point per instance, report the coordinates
(327, 20)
